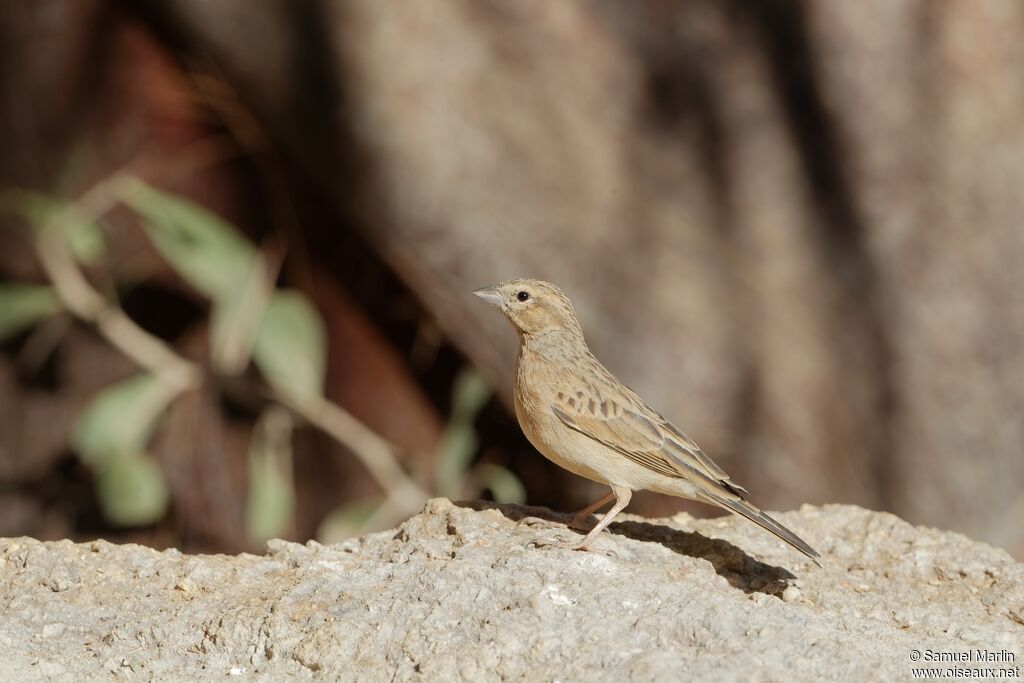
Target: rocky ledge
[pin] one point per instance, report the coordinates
(456, 593)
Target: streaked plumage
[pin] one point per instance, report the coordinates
(581, 417)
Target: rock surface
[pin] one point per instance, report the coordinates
(457, 594)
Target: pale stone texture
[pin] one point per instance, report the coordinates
(456, 594)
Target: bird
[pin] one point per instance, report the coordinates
(582, 418)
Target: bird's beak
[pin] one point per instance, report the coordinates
(489, 294)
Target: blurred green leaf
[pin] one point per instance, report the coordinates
(21, 306)
(458, 443)
(235, 320)
(469, 395)
(203, 248)
(131, 490)
(84, 239)
(120, 419)
(271, 502)
(346, 521)
(291, 346)
(503, 485)
(454, 453)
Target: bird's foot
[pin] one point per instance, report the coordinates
(581, 524)
(556, 541)
(538, 522)
(565, 543)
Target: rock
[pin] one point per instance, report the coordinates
(456, 594)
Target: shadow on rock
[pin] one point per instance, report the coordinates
(730, 562)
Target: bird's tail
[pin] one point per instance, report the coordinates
(745, 509)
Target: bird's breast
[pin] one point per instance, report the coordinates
(534, 398)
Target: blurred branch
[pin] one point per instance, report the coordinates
(85, 303)
(404, 495)
(178, 374)
(81, 299)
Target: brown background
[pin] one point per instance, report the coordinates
(795, 227)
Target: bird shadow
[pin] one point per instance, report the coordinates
(730, 562)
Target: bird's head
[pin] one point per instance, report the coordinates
(533, 307)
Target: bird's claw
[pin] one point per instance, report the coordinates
(564, 543)
(551, 542)
(581, 524)
(536, 521)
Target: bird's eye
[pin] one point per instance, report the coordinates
(523, 296)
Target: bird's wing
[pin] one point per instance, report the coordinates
(641, 435)
(687, 447)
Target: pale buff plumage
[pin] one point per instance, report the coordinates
(578, 415)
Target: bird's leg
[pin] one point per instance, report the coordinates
(578, 519)
(622, 496)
